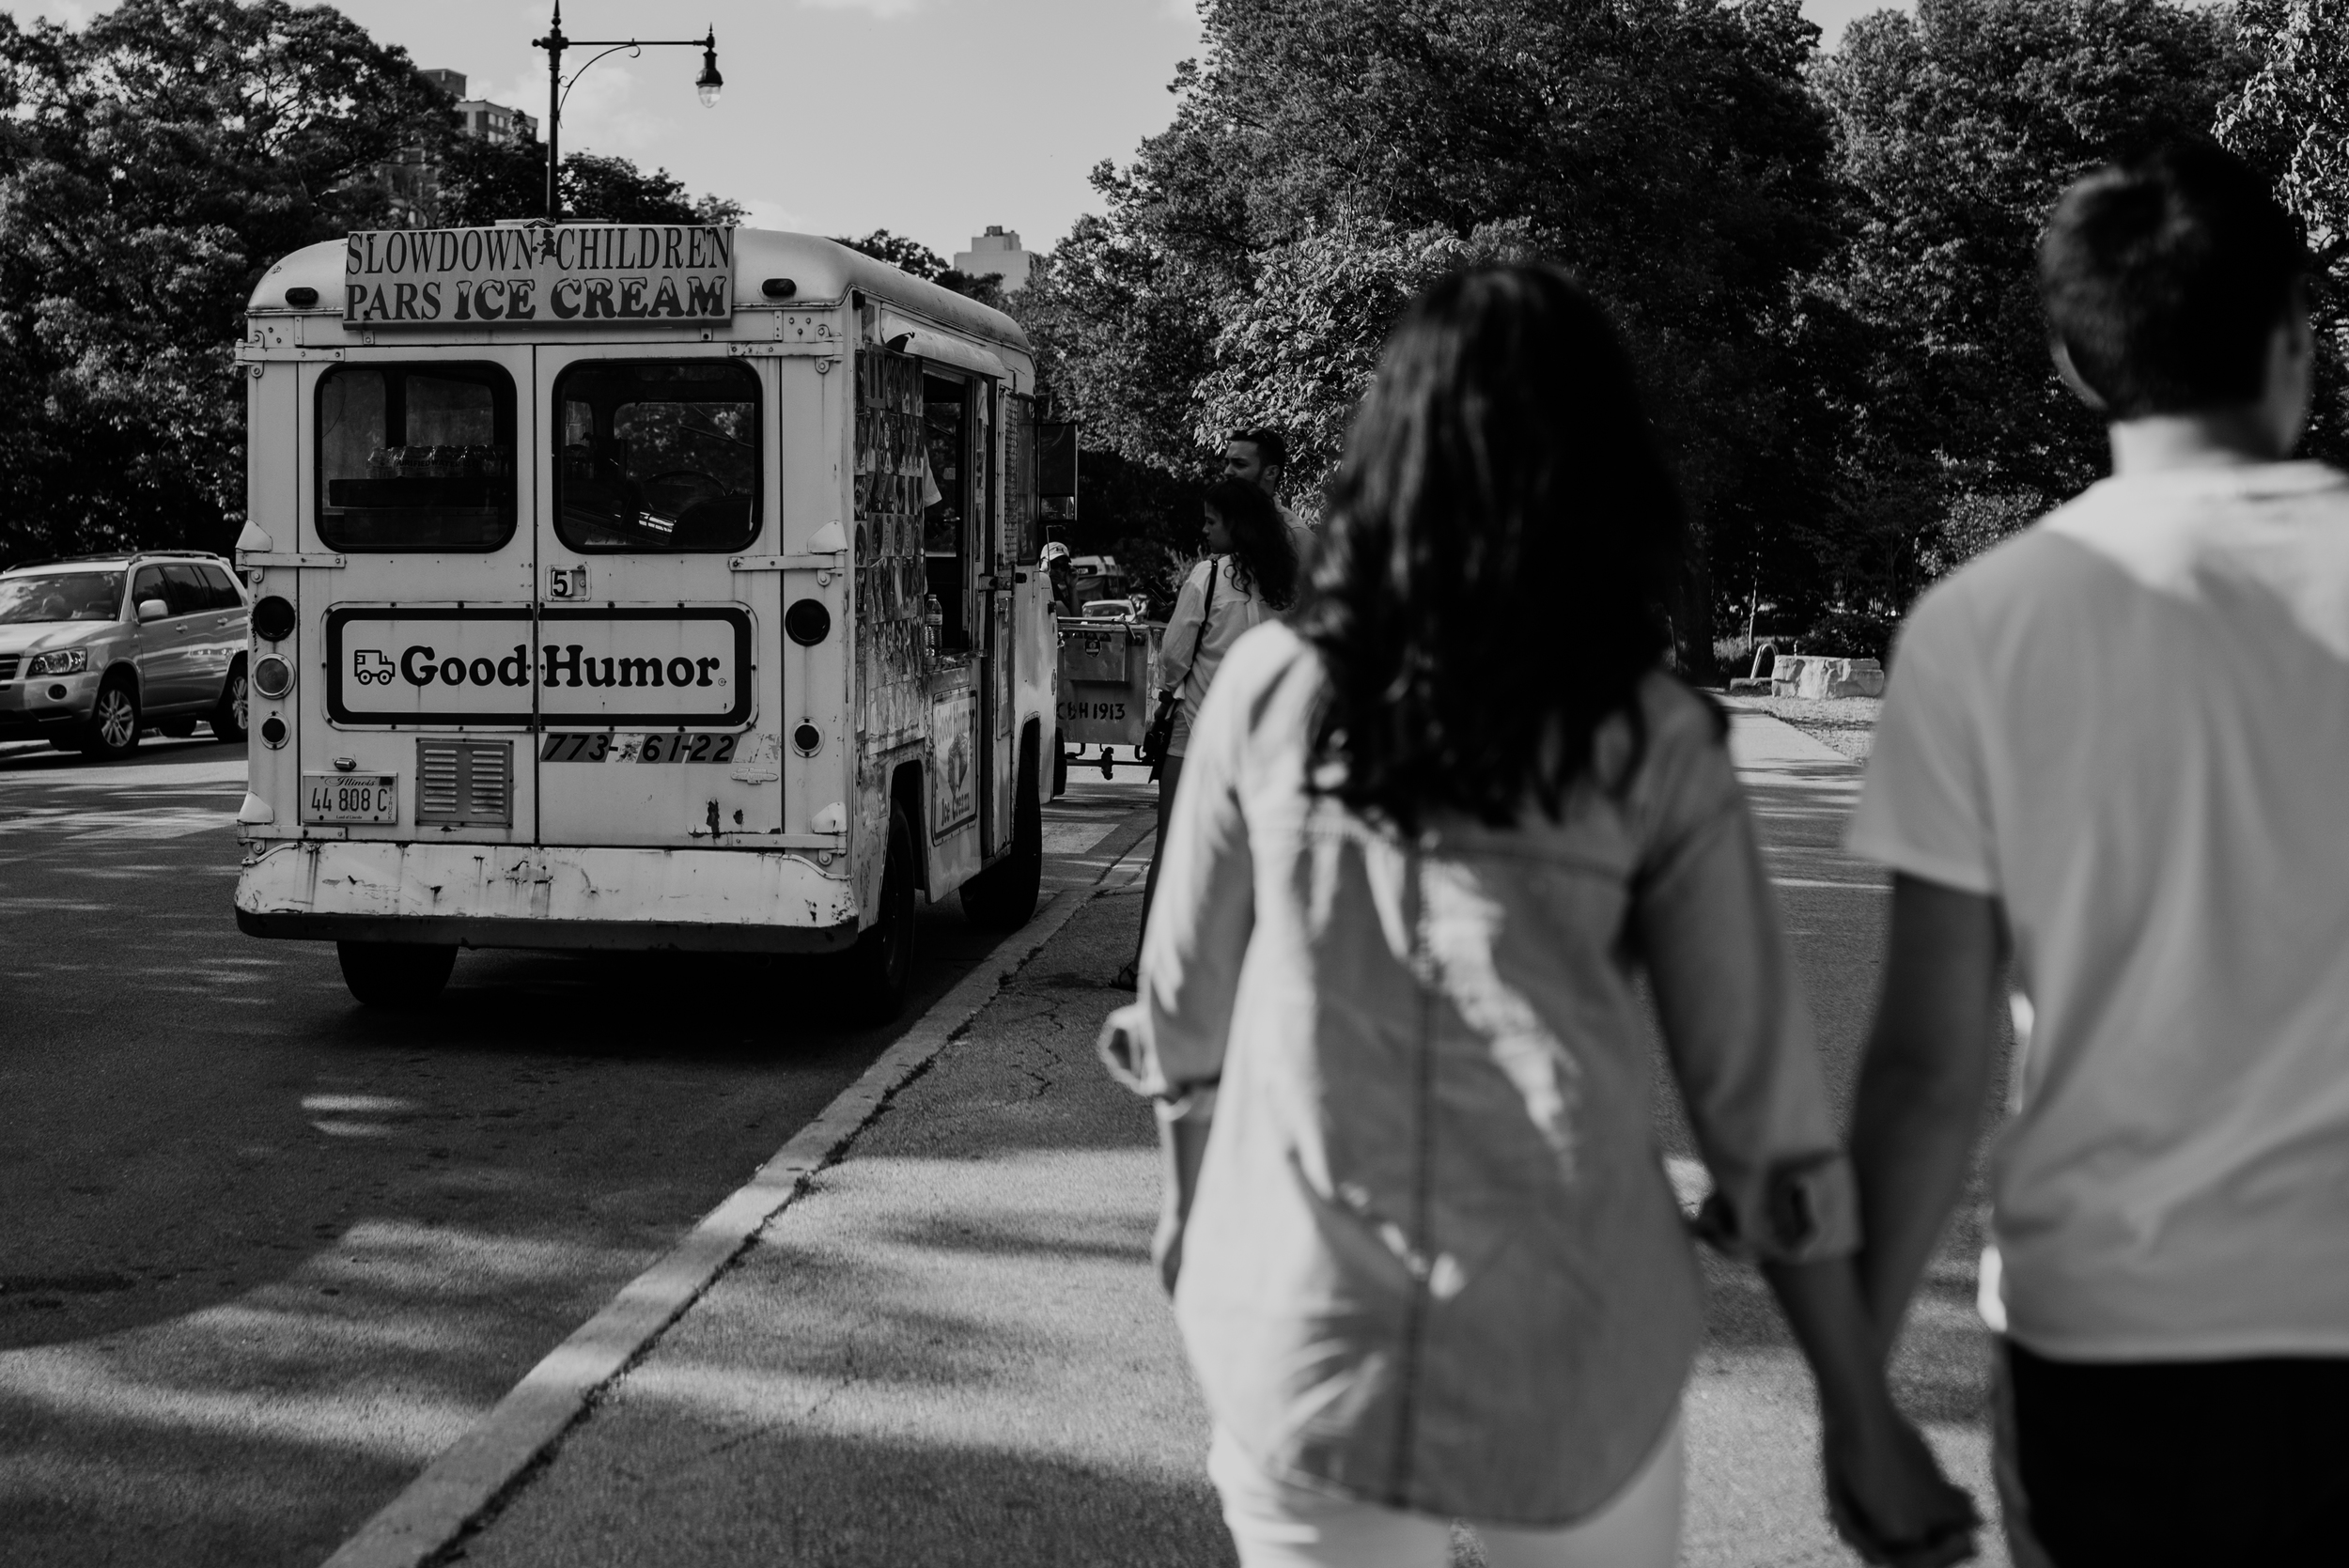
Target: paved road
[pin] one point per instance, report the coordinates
(264, 1252)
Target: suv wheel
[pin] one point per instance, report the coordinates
(113, 729)
(228, 718)
(395, 975)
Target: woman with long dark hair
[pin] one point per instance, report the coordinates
(1247, 576)
(1430, 834)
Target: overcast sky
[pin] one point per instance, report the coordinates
(931, 118)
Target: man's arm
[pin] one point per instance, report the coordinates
(1922, 1084)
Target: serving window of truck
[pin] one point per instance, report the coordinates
(635, 586)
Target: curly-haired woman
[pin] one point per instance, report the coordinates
(1429, 1264)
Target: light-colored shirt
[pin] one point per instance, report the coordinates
(2130, 726)
(1234, 612)
(1301, 538)
(1434, 1259)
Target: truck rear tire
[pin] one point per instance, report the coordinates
(881, 965)
(1002, 897)
(395, 975)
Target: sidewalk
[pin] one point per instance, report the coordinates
(951, 1349)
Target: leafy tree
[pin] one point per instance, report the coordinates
(151, 165)
(1298, 352)
(1121, 339)
(1955, 131)
(2292, 119)
(906, 256)
(616, 191)
(482, 181)
(1666, 151)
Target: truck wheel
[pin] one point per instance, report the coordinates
(395, 975)
(1060, 768)
(1003, 895)
(113, 729)
(881, 966)
(228, 719)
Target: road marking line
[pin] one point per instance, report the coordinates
(479, 1469)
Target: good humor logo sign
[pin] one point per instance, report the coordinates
(678, 665)
(571, 272)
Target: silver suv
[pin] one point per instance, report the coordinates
(98, 649)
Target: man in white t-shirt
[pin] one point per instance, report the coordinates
(2115, 754)
(1262, 459)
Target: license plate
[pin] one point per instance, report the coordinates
(351, 797)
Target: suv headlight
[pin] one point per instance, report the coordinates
(66, 662)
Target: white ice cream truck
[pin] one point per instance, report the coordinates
(635, 586)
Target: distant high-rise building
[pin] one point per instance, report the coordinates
(413, 181)
(996, 253)
(478, 117)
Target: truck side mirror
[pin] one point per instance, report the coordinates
(153, 610)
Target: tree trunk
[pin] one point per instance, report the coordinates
(1693, 618)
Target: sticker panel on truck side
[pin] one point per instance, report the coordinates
(667, 665)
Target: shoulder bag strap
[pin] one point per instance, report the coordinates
(1200, 640)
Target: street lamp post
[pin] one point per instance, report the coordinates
(706, 87)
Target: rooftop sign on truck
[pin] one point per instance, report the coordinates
(568, 272)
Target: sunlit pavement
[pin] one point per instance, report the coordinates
(267, 1253)
(952, 1350)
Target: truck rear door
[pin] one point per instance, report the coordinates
(415, 593)
(657, 476)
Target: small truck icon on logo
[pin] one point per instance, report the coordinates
(372, 666)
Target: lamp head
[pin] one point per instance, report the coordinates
(708, 85)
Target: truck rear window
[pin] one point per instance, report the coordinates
(657, 457)
(415, 456)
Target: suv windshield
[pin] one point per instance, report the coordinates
(81, 596)
(658, 457)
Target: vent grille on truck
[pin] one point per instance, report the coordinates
(466, 784)
(8, 665)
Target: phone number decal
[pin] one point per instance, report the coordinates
(603, 746)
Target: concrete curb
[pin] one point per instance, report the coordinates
(477, 1471)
